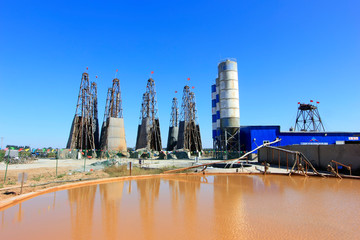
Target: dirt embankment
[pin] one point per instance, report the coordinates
(38, 178)
(42, 174)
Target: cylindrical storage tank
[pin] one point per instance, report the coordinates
(217, 106)
(213, 109)
(229, 95)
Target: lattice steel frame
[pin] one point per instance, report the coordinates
(192, 139)
(94, 112)
(113, 108)
(83, 133)
(174, 119)
(308, 119)
(106, 113)
(149, 111)
(115, 104)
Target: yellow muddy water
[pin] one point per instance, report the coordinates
(192, 207)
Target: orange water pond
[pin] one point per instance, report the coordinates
(192, 207)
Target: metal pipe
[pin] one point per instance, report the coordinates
(281, 149)
(236, 159)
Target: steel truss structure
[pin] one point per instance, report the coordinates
(174, 126)
(228, 143)
(174, 118)
(113, 109)
(85, 126)
(308, 119)
(189, 131)
(149, 127)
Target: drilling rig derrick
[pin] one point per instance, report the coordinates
(84, 128)
(113, 131)
(189, 130)
(174, 126)
(148, 136)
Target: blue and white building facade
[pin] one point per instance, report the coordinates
(253, 136)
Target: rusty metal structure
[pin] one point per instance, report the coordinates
(174, 120)
(174, 126)
(308, 119)
(112, 130)
(189, 131)
(115, 103)
(148, 135)
(94, 112)
(106, 113)
(84, 127)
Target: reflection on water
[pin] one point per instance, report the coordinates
(148, 191)
(226, 191)
(192, 207)
(184, 203)
(81, 201)
(111, 194)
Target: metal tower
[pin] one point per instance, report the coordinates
(94, 112)
(174, 120)
(149, 128)
(106, 113)
(115, 103)
(189, 132)
(82, 129)
(112, 131)
(308, 119)
(174, 126)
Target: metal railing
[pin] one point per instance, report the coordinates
(343, 165)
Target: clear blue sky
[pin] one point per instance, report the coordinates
(287, 51)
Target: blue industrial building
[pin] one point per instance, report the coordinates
(253, 136)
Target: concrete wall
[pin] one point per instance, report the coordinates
(141, 139)
(68, 145)
(181, 140)
(116, 135)
(319, 155)
(172, 138)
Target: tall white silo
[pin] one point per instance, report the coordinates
(229, 106)
(229, 95)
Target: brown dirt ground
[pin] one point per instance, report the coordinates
(41, 175)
